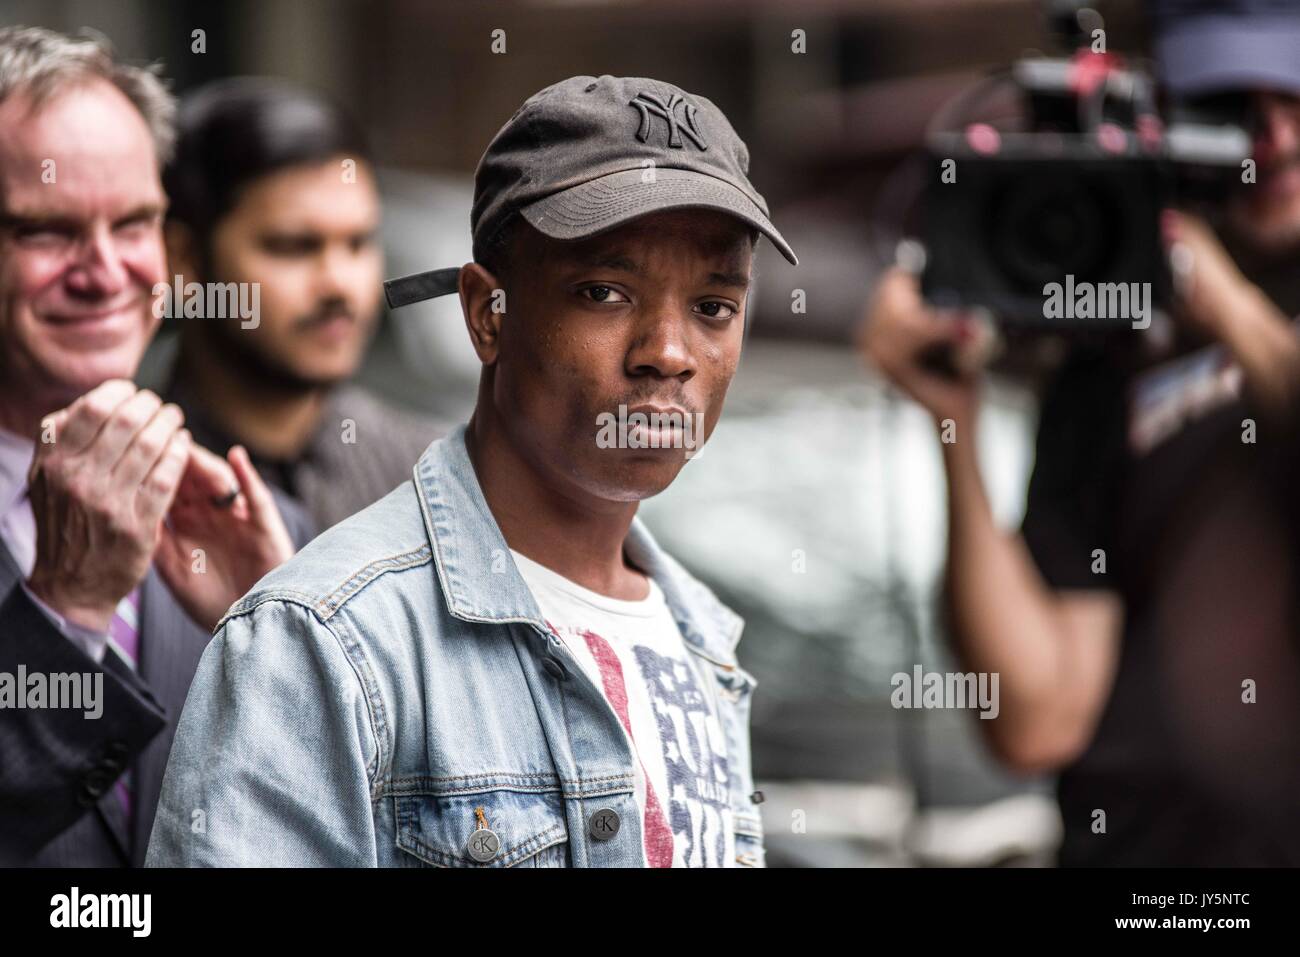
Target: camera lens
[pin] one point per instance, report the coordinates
(1050, 223)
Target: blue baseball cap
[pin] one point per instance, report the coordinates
(1219, 46)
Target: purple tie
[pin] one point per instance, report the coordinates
(124, 633)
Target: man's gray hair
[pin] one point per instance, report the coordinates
(38, 63)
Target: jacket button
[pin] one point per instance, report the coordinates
(483, 845)
(94, 784)
(603, 824)
(554, 669)
(112, 764)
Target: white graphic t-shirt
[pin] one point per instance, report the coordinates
(633, 651)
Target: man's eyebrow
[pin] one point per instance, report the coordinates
(144, 209)
(615, 261)
(736, 280)
(732, 278)
(37, 217)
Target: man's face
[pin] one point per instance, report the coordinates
(308, 235)
(1267, 213)
(648, 316)
(81, 246)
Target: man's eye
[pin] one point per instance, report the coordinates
(291, 245)
(45, 233)
(717, 310)
(135, 225)
(604, 294)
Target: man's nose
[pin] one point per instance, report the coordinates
(662, 347)
(99, 271)
(337, 269)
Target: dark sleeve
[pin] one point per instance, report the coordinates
(299, 524)
(56, 763)
(1073, 496)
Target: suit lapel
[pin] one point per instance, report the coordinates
(170, 648)
(10, 573)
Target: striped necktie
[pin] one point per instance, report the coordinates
(124, 638)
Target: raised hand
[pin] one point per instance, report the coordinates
(212, 549)
(99, 491)
(899, 331)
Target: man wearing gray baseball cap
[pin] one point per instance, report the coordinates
(496, 665)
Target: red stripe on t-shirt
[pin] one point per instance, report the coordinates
(658, 835)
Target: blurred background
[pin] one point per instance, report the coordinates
(817, 510)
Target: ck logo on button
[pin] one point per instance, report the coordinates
(648, 103)
(604, 824)
(483, 845)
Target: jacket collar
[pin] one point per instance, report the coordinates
(480, 582)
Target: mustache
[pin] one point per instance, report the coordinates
(675, 401)
(84, 306)
(326, 312)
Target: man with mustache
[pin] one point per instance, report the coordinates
(1144, 620)
(273, 185)
(122, 540)
(496, 665)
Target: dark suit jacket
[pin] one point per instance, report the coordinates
(57, 767)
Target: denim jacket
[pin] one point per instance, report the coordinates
(366, 700)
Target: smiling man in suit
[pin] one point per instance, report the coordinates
(122, 541)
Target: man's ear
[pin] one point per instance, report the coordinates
(182, 251)
(482, 300)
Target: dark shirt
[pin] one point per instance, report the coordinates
(1199, 533)
(362, 450)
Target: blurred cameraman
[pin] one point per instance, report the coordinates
(1143, 622)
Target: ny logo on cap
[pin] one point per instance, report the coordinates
(648, 103)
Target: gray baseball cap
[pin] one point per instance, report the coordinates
(591, 153)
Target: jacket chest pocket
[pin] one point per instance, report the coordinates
(483, 829)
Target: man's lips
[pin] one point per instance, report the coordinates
(663, 427)
(334, 318)
(82, 317)
(669, 414)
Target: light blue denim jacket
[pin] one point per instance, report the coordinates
(361, 703)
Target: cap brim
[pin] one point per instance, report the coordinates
(1220, 54)
(421, 286)
(600, 204)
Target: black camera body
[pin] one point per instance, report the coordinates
(1011, 225)
(1046, 227)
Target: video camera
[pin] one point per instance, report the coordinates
(1071, 193)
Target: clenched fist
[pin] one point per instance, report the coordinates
(99, 492)
(900, 333)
